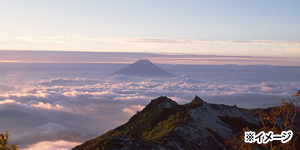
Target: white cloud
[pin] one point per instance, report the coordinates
(264, 42)
(141, 40)
(133, 109)
(52, 145)
(50, 132)
(9, 101)
(47, 106)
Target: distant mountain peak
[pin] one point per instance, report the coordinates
(144, 60)
(143, 68)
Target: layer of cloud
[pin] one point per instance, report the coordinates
(68, 109)
(9, 101)
(54, 58)
(86, 98)
(154, 40)
(267, 48)
(50, 132)
(69, 82)
(265, 42)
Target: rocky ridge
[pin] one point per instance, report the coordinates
(164, 124)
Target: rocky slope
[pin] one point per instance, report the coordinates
(164, 124)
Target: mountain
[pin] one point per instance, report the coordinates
(143, 68)
(164, 124)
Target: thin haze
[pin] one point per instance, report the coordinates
(8, 56)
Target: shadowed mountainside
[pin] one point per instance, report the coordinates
(143, 68)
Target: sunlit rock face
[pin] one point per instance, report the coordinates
(143, 68)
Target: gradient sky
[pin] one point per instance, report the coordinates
(215, 27)
(44, 91)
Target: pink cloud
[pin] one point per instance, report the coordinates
(52, 145)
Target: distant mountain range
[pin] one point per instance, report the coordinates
(143, 68)
(164, 124)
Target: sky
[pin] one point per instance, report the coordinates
(12, 56)
(235, 28)
(57, 56)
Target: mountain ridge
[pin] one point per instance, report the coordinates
(164, 124)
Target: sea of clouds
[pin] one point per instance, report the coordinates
(59, 106)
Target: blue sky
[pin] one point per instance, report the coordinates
(233, 27)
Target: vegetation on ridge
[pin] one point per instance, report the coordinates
(276, 119)
(146, 124)
(4, 142)
(155, 125)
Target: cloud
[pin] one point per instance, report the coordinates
(248, 100)
(13, 76)
(53, 108)
(76, 38)
(52, 145)
(9, 101)
(63, 61)
(50, 132)
(69, 82)
(85, 97)
(49, 39)
(6, 88)
(47, 106)
(292, 49)
(139, 40)
(264, 42)
(194, 41)
(133, 109)
(125, 78)
(164, 41)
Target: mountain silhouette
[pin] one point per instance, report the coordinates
(143, 68)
